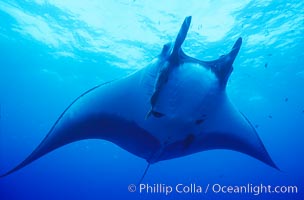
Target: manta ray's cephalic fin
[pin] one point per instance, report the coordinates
(222, 67)
(173, 61)
(174, 58)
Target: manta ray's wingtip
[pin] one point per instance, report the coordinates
(272, 164)
(8, 172)
(3, 175)
(32, 157)
(266, 159)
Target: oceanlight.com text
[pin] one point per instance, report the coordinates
(254, 189)
(216, 188)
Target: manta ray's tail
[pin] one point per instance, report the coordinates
(144, 174)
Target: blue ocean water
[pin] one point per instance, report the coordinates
(52, 51)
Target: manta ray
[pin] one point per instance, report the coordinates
(175, 106)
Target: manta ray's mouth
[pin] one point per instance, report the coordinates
(172, 59)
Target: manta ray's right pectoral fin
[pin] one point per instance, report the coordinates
(234, 133)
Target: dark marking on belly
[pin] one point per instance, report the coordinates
(157, 114)
(188, 140)
(199, 121)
